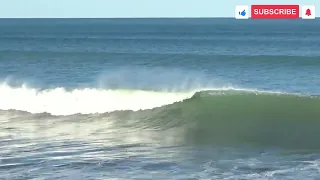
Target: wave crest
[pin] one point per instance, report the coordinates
(59, 101)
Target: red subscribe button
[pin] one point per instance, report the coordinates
(274, 11)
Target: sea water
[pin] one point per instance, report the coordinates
(159, 99)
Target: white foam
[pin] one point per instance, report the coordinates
(59, 101)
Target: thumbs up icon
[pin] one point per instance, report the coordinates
(243, 13)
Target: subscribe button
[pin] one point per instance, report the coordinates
(274, 11)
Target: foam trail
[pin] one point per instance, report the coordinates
(59, 101)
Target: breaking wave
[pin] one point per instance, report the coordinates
(59, 101)
(220, 116)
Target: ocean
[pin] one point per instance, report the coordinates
(159, 99)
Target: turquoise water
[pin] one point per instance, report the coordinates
(159, 99)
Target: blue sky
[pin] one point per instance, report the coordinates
(131, 8)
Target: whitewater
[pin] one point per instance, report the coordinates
(60, 101)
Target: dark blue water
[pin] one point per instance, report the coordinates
(67, 69)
